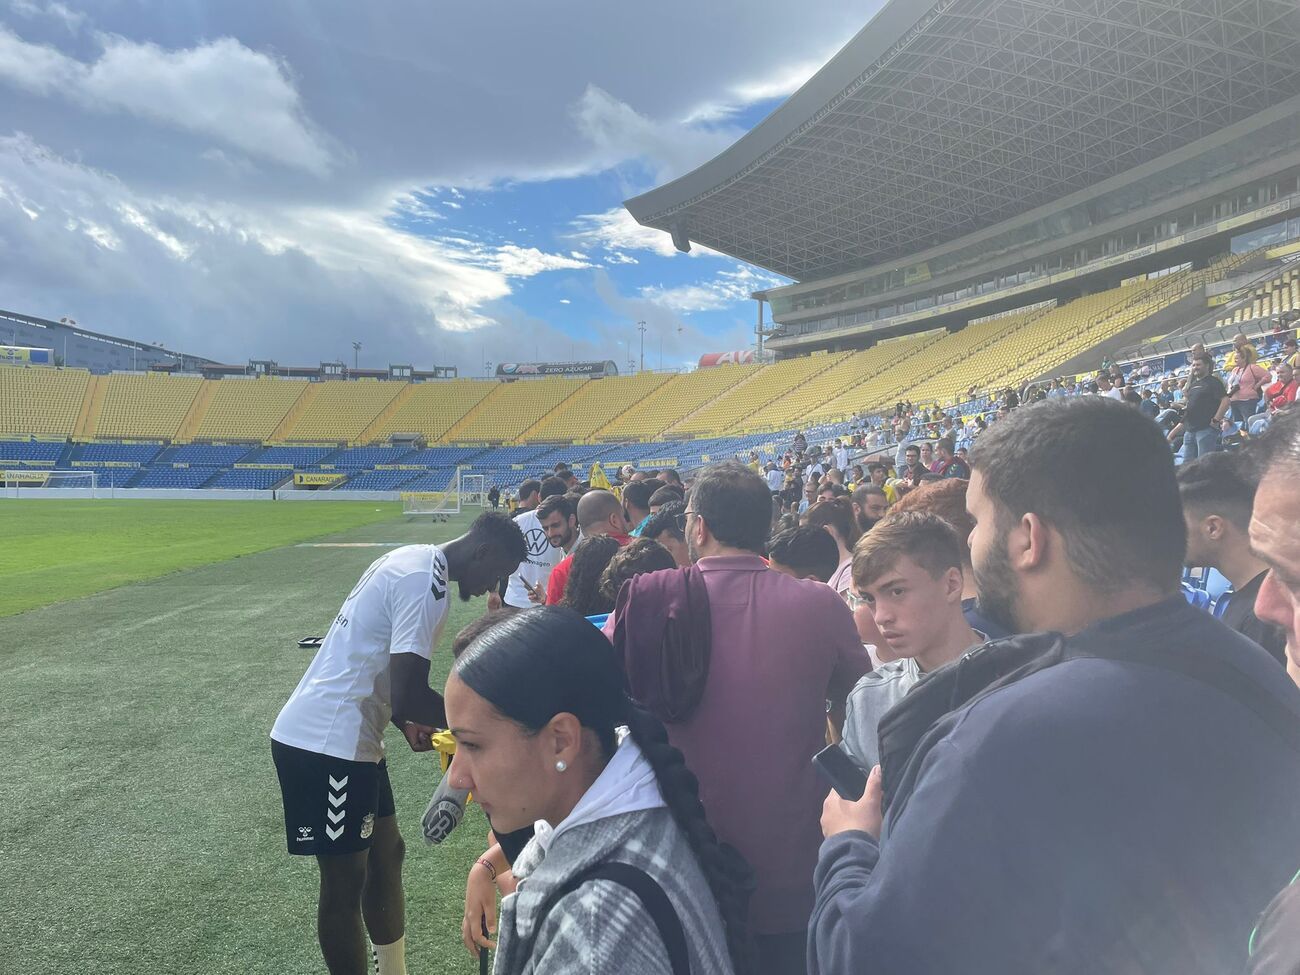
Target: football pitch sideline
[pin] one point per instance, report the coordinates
(144, 827)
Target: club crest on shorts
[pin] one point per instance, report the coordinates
(367, 825)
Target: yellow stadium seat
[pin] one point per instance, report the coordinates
(39, 401)
(511, 408)
(340, 410)
(145, 406)
(673, 401)
(248, 409)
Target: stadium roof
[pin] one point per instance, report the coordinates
(940, 119)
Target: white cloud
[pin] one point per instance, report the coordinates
(190, 253)
(451, 203)
(51, 10)
(140, 222)
(619, 133)
(615, 230)
(725, 289)
(219, 90)
(516, 261)
(564, 301)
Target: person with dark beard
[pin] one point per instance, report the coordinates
(870, 504)
(1112, 791)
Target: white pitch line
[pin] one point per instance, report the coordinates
(351, 544)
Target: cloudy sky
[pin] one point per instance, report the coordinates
(441, 182)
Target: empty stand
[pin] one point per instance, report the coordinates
(593, 405)
(30, 452)
(432, 408)
(377, 481)
(512, 408)
(674, 401)
(362, 457)
(145, 405)
(242, 479)
(1276, 296)
(38, 401)
(866, 385)
(175, 477)
(210, 455)
(736, 406)
(340, 410)
(116, 453)
(247, 409)
(284, 456)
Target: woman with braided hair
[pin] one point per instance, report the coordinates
(623, 872)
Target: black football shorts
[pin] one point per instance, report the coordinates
(330, 804)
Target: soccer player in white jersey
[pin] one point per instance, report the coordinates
(328, 742)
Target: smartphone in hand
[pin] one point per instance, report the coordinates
(839, 770)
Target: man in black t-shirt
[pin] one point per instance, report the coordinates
(1217, 495)
(1206, 403)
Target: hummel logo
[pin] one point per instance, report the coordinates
(304, 834)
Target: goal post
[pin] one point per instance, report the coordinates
(473, 490)
(438, 505)
(16, 480)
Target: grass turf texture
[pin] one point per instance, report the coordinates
(57, 550)
(144, 830)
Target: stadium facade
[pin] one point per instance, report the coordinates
(965, 157)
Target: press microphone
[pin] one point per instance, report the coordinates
(444, 812)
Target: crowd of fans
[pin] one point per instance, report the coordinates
(1063, 758)
(1070, 767)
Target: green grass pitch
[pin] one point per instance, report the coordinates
(143, 828)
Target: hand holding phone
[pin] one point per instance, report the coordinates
(849, 781)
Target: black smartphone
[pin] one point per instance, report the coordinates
(838, 769)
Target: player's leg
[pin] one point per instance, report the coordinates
(382, 900)
(338, 913)
(328, 805)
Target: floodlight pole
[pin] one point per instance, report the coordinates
(640, 327)
(356, 354)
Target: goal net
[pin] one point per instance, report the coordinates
(438, 505)
(473, 490)
(16, 480)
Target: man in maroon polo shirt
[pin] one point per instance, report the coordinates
(780, 648)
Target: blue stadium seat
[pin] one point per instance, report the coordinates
(364, 457)
(244, 479)
(21, 450)
(378, 480)
(211, 455)
(116, 453)
(175, 477)
(300, 457)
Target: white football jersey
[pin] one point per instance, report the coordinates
(344, 701)
(536, 568)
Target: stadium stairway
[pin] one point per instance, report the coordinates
(729, 410)
(91, 406)
(198, 409)
(371, 434)
(482, 406)
(300, 405)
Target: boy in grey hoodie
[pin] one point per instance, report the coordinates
(908, 572)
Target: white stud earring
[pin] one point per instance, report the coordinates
(561, 765)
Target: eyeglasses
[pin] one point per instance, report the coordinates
(680, 520)
(854, 600)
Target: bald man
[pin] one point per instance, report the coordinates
(599, 513)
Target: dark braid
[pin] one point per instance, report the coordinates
(730, 878)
